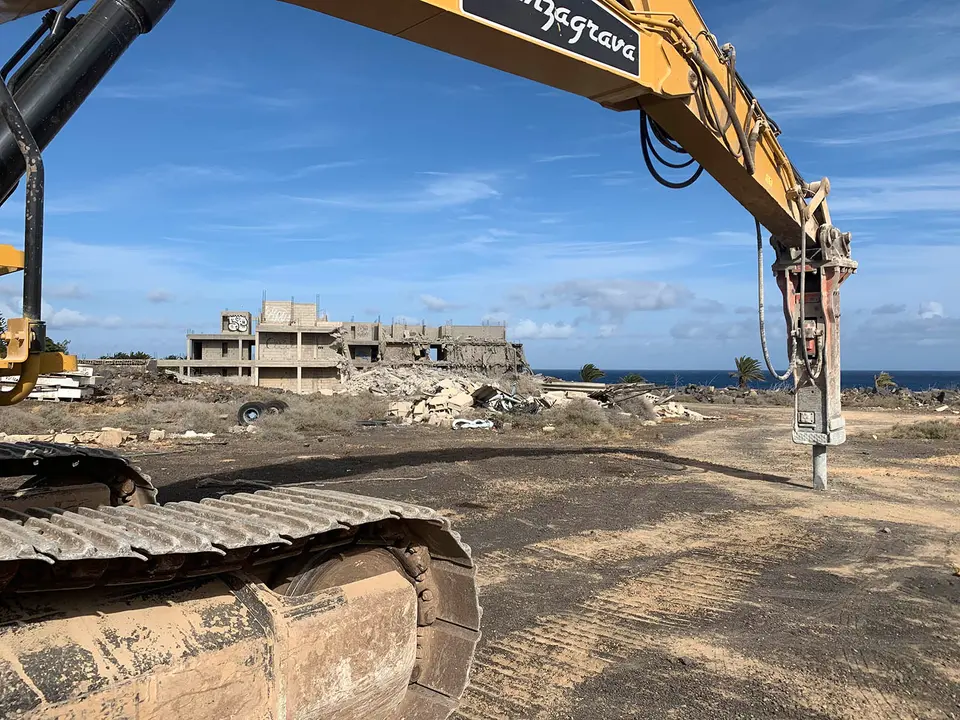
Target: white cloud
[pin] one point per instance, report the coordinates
(615, 299)
(531, 330)
(66, 318)
(435, 304)
(73, 291)
(159, 296)
(930, 310)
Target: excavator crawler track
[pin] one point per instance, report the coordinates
(241, 551)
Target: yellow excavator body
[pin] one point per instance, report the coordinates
(300, 603)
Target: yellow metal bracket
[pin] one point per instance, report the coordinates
(11, 259)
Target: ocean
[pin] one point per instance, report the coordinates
(918, 380)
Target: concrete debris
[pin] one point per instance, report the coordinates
(107, 437)
(674, 410)
(411, 382)
(60, 387)
(157, 435)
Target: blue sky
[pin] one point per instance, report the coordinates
(279, 150)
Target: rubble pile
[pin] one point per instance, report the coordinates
(445, 402)
(123, 385)
(407, 382)
(456, 402)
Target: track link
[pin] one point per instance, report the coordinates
(48, 551)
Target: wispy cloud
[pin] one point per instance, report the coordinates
(563, 158)
(861, 94)
(131, 188)
(890, 309)
(443, 190)
(916, 191)
(205, 88)
(912, 133)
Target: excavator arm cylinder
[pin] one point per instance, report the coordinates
(57, 85)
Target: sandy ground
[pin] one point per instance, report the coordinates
(691, 573)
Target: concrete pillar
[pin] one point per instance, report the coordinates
(299, 379)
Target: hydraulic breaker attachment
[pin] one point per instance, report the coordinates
(811, 305)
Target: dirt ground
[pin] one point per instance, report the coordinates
(690, 573)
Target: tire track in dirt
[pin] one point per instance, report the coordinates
(533, 672)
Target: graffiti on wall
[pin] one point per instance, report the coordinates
(238, 323)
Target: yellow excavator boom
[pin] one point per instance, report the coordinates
(300, 602)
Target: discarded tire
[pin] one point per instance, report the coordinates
(249, 413)
(275, 407)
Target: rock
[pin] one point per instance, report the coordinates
(236, 429)
(886, 530)
(943, 408)
(549, 429)
(157, 435)
(194, 434)
(65, 439)
(111, 438)
(649, 423)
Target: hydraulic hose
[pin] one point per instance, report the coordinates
(763, 330)
(748, 159)
(803, 306)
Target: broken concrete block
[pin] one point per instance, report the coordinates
(401, 409)
(461, 400)
(112, 438)
(157, 435)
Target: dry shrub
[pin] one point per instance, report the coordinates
(927, 430)
(639, 406)
(577, 419)
(526, 385)
(177, 416)
(44, 418)
(322, 414)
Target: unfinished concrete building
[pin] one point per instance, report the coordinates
(226, 356)
(295, 347)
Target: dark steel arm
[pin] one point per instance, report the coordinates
(54, 89)
(33, 223)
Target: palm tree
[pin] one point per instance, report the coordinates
(883, 381)
(748, 370)
(591, 373)
(633, 378)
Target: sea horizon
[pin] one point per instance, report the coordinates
(916, 380)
